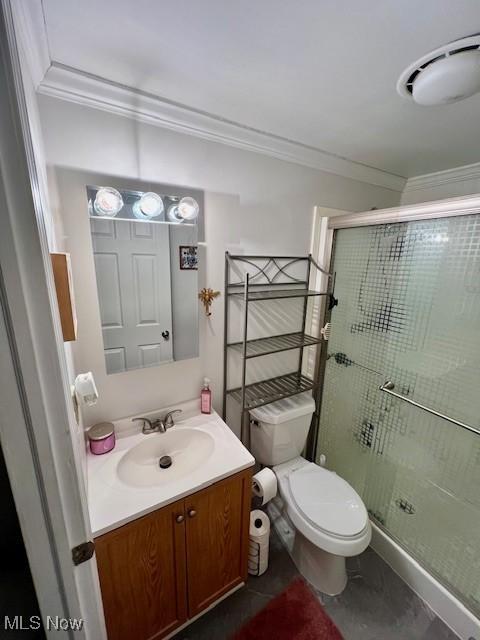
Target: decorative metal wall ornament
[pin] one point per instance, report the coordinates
(207, 296)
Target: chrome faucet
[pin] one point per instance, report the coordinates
(150, 426)
(158, 424)
(168, 419)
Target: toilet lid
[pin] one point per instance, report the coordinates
(327, 501)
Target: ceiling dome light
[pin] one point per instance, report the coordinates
(150, 205)
(108, 202)
(448, 80)
(446, 75)
(185, 211)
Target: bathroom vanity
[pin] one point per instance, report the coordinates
(173, 542)
(169, 510)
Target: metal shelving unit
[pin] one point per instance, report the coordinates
(255, 279)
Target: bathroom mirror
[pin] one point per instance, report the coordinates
(146, 265)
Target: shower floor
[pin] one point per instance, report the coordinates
(376, 605)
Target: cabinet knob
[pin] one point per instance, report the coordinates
(180, 518)
(192, 513)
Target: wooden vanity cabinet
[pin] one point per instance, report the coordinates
(218, 520)
(168, 566)
(142, 570)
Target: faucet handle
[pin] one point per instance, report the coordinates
(147, 425)
(168, 419)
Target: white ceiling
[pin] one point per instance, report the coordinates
(319, 72)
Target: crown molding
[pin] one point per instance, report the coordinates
(32, 40)
(447, 208)
(82, 88)
(432, 180)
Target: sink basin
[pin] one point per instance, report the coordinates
(128, 483)
(188, 449)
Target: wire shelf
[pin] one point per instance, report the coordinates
(275, 344)
(266, 391)
(254, 296)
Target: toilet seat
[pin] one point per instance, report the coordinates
(316, 528)
(327, 501)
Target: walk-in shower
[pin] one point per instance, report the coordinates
(407, 328)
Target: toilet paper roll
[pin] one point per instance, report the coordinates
(264, 485)
(259, 526)
(258, 544)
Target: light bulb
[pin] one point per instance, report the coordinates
(188, 208)
(185, 211)
(150, 205)
(108, 202)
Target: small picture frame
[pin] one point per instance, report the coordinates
(188, 257)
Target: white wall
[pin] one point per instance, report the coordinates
(50, 220)
(253, 203)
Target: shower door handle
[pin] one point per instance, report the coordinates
(389, 386)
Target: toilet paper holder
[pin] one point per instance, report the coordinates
(264, 486)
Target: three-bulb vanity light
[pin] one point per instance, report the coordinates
(109, 202)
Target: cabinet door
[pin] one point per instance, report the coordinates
(142, 575)
(217, 540)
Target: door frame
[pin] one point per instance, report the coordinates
(37, 418)
(321, 246)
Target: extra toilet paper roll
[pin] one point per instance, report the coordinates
(259, 526)
(264, 485)
(258, 545)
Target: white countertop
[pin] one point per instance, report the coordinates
(112, 503)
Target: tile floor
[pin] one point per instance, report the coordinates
(376, 605)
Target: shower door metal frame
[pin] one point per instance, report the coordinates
(448, 208)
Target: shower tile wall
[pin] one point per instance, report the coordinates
(409, 311)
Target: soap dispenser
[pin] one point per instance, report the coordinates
(206, 397)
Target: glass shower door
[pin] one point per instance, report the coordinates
(409, 312)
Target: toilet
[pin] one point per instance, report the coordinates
(319, 516)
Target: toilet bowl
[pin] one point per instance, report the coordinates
(320, 517)
(329, 519)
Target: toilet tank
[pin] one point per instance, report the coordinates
(279, 430)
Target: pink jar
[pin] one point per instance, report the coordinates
(101, 437)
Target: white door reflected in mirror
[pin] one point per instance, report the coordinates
(147, 293)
